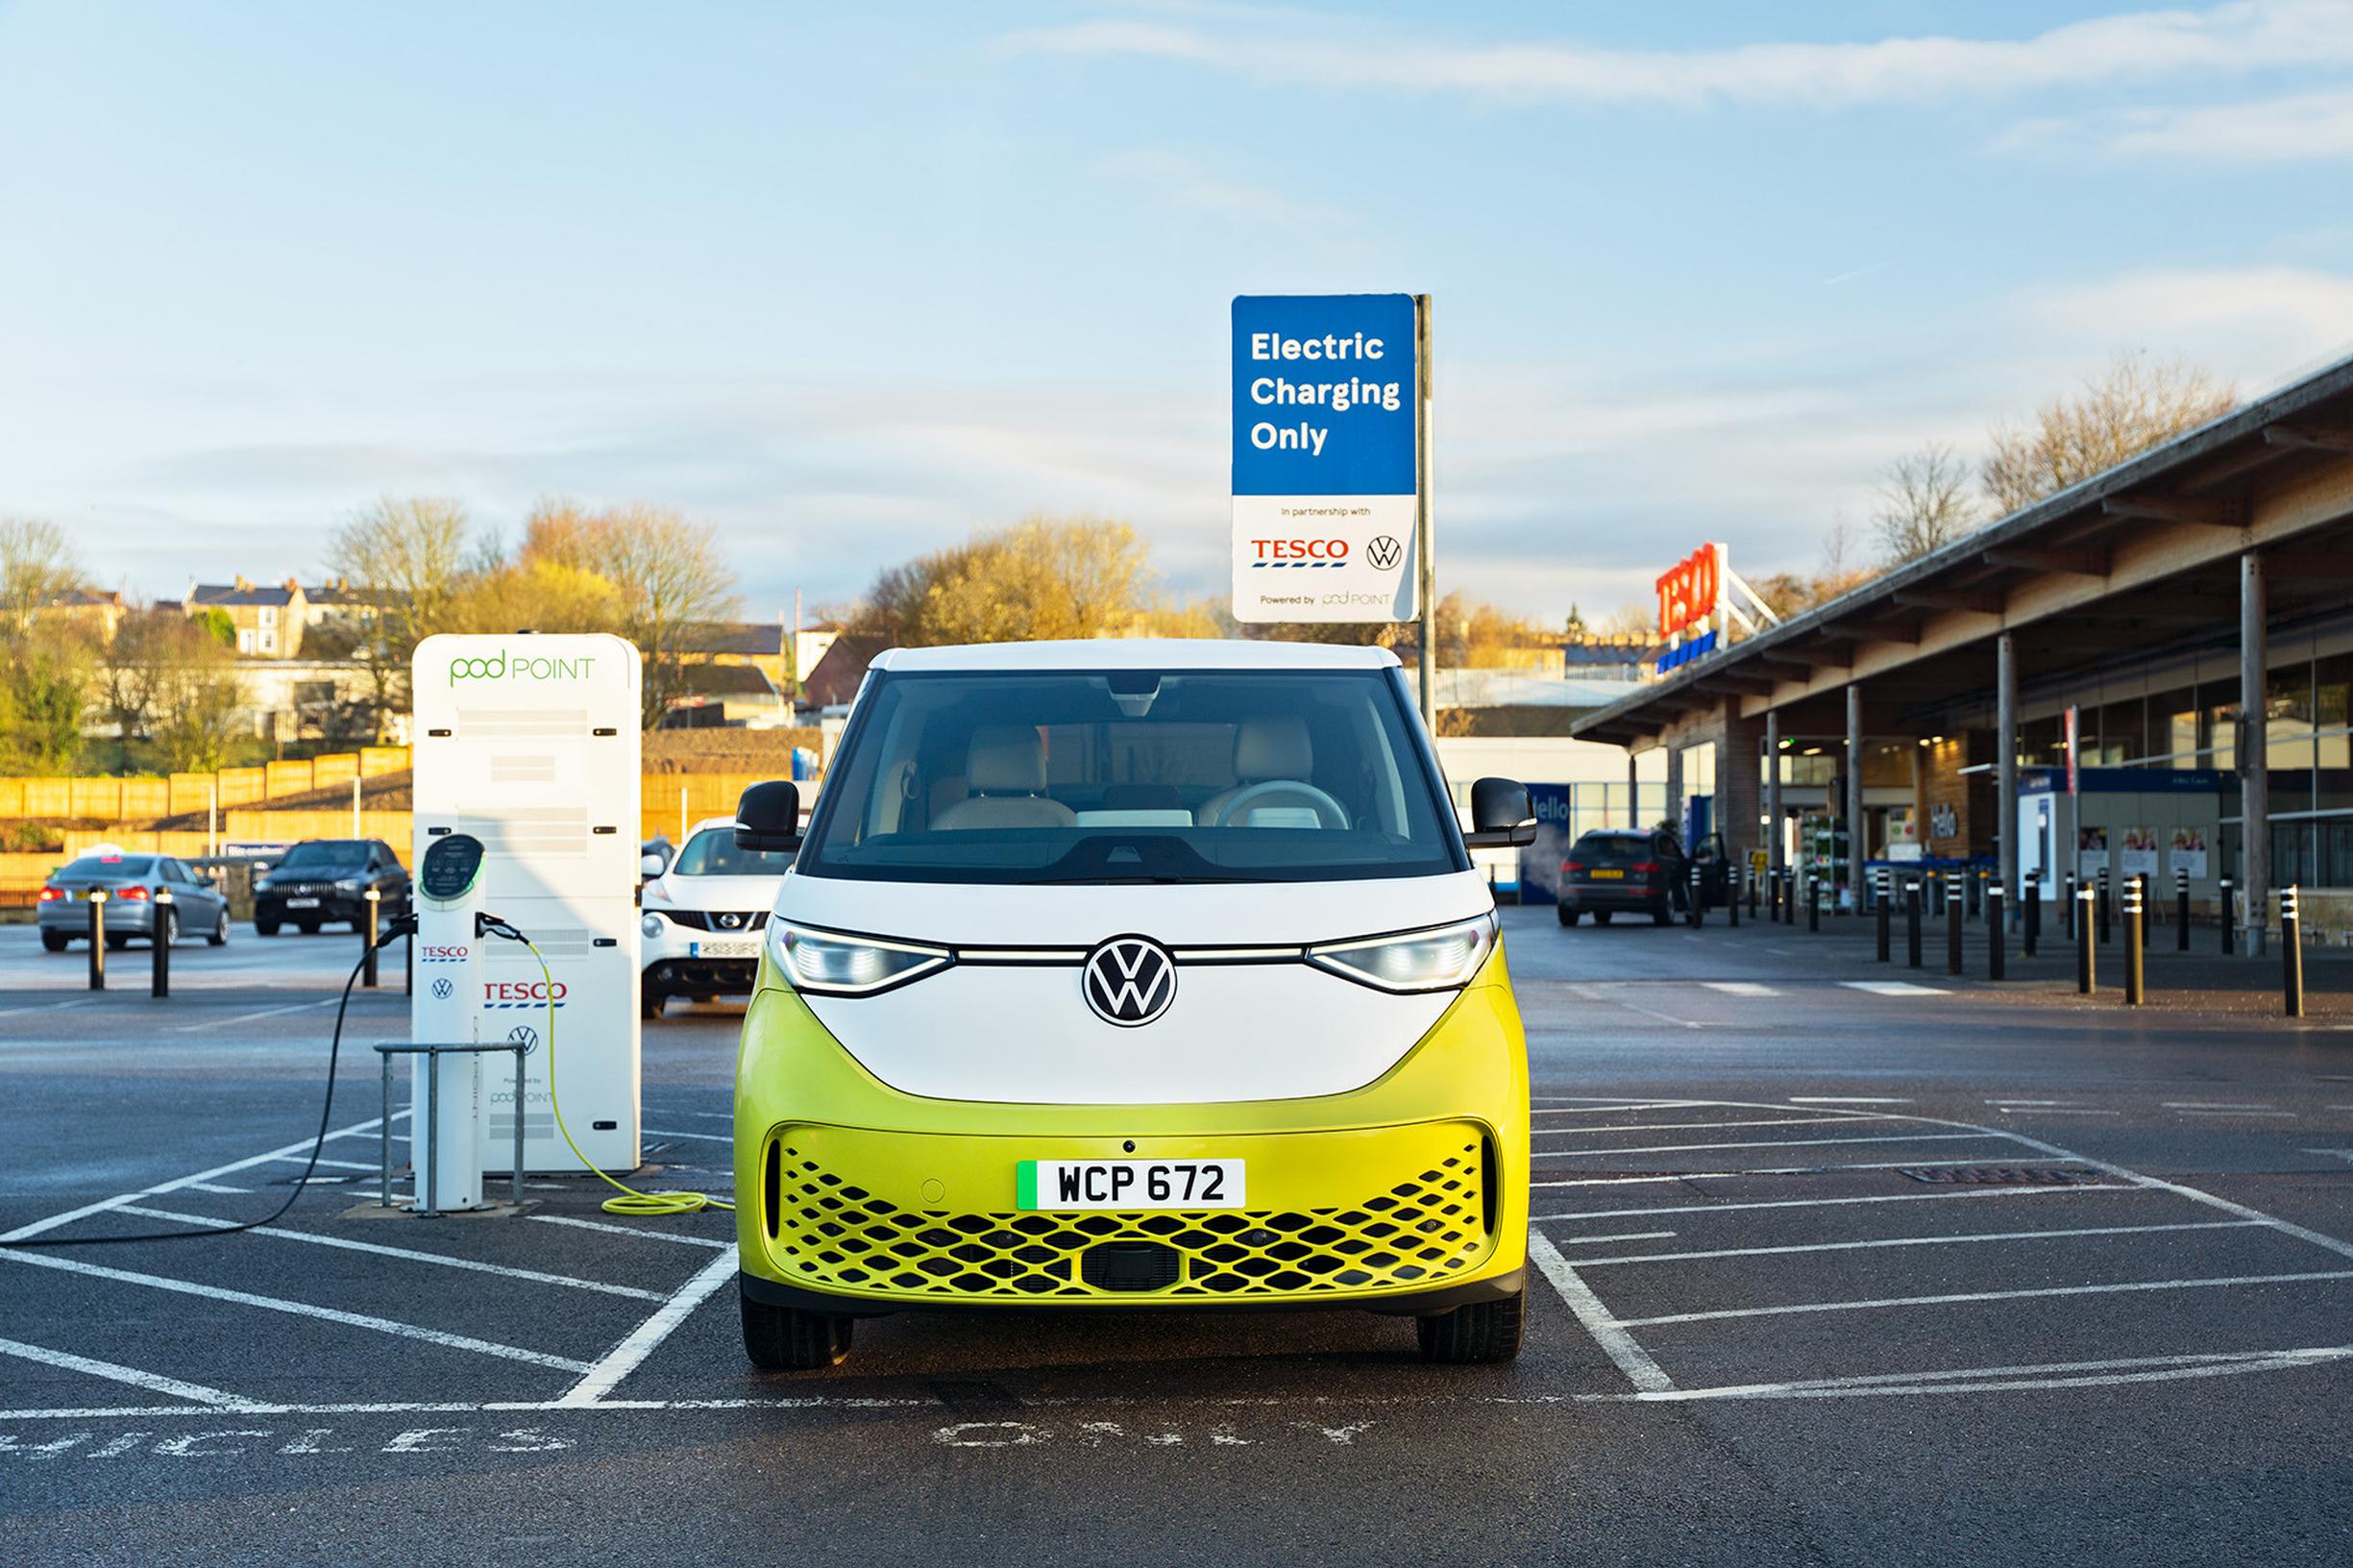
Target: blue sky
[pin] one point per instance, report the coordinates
(848, 282)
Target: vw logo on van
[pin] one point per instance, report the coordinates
(1129, 981)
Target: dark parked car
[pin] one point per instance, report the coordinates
(133, 885)
(328, 879)
(1641, 872)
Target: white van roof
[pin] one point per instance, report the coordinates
(1137, 653)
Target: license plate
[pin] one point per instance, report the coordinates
(302, 903)
(1608, 876)
(722, 949)
(1129, 1184)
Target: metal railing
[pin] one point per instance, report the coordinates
(419, 1147)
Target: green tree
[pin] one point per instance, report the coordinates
(47, 663)
(1041, 579)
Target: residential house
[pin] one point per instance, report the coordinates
(269, 621)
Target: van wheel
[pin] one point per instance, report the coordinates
(788, 1339)
(649, 1004)
(220, 928)
(54, 941)
(1474, 1336)
(1568, 915)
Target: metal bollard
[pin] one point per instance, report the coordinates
(1695, 901)
(1882, 913)
(2181, 909)
(2136, 938)
(2149, 904)
(1813, 903)
(1954, 921)
(2086, 979)
(1732, 894)
(2229, 917)
(367, 938)
(2068, 907)
(1976, 893)
(98, 939)
(1911, 921)
(2291, 949)
(1996, 939)
(2104, 908)
(1752, 882)
(160, 978)
(2031, 926)
(408, 966)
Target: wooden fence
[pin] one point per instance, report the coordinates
(143, 799)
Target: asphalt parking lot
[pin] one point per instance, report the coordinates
(1839, 1266)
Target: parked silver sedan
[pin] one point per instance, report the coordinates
(133, 885)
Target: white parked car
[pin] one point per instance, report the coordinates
(704, 910)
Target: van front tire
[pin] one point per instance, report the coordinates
(789, 1339)
(1481, 1334)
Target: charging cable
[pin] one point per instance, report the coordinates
(402, 926)
(632, 1201)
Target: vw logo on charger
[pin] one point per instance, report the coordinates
(1129, 981)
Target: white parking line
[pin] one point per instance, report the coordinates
(248, 1017)
(2214, 1105)
(1790, 1170)
(1919, 1241)
(1986, 1295)
(1695, 1126)
(1769, 1144)
(631, 1229)
(298, 1309)
(1740, 987)
(46, 1007)
(2217, 1110)
(216, 1186)
(1832, 1203)
(1616, 1343)
(625, 1358)
(1989, 1379)
(1848, 1099)
(1895, 987)
(1597, 1240)
(534, 1276)
(323, 1163)
(39, 1226)
(1543, 1110)
(699, 1138)
(154, 1382)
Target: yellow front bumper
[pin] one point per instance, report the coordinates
(1409, 1187)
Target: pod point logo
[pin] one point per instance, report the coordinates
(500, 665)
(1129, 981)
(1384, 552)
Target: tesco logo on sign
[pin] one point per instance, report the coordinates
(1307, 549)
(1688, 591)
(498, 994)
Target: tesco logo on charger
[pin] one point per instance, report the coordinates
(505, 993)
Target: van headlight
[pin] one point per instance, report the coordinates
(831, 964)
(1441, 958)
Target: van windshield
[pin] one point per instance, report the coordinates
(1132, 776)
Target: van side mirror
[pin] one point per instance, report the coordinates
(768, 818)
(1500, 816)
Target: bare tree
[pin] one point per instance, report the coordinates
(2135, 404)
(412, 554)
(1923, 504)
(197, 698)
(671, 578)
(36, 566)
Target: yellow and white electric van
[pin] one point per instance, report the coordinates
(1137, 974)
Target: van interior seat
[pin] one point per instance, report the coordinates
(1267, 745)
(1005, 770)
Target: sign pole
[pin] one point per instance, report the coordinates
(1425, 552)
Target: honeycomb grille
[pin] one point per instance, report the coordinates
(832, 1234)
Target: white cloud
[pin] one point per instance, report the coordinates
(1195, 187)
(1332, 52)
(2308, 127)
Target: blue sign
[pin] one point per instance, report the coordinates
(1323, 395)
(1327, 498)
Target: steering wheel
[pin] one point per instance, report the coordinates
(1327, 809)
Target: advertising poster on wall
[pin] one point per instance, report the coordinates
(2187, 852)
(2091, 852)
(2138, 853)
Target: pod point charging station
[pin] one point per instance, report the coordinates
(527, 753)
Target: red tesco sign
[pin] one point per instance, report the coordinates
(1688, 591)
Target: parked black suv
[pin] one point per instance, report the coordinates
(328, 879)
(1639, 871)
